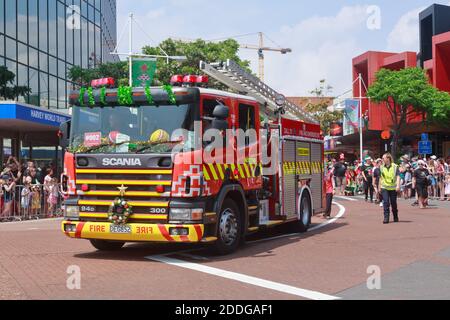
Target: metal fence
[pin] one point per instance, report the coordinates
(31, 202)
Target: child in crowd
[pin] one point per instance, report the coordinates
(25, 197)
(52, 197)
(35, 200)
(447, 187)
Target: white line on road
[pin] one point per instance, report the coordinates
(308, 294)
(337, 217)
(340, 214)
(346, 198)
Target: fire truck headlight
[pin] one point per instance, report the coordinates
(72, 212)
(178, 214)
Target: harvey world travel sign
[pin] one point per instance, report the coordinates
(32, 114)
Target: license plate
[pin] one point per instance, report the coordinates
(120, 229)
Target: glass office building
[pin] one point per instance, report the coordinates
(40, 40)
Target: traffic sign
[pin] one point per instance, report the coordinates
(425, 147)
(425, 137)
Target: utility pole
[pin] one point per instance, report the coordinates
(360, 118)
(130, 51)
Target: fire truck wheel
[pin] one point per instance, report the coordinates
(305, 213)
(228, 229)
(103, 245)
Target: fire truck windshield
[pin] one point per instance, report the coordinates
(123, 129)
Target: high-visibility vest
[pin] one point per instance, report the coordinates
(389, 177)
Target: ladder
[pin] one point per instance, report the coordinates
(236, 78)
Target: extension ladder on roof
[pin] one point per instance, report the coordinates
(236, 78)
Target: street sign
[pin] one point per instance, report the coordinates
(425, 147)
(425, 137)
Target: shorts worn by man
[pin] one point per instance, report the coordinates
(390, 186)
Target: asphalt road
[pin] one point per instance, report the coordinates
(330, 262)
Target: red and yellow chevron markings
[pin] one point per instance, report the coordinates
(302, 168)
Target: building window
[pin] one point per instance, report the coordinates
(11, 49)
(43, 37)
(43, 90)
(33, 23)
(10, 17)
(22, 21)
(52, 31)
(2, 16)
(61, 31)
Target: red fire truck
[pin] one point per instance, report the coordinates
(126, 181)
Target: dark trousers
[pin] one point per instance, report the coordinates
(389, 200)
(329, 204)
(368, 189)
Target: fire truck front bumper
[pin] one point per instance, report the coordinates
(134, 232)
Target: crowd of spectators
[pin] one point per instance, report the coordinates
(423, 179)
(28, 190)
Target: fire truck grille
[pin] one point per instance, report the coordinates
(148, 192)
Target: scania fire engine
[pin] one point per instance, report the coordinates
(128, 178)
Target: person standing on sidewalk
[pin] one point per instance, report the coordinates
(367, 174)
(390, 186)
(330, 190)
(421, 183)
(376, 181)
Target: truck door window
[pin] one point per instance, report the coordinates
(246, 119)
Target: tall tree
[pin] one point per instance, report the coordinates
(116, 70)
(195, 52)
(8, 91)
(407, 92)
(320, 109)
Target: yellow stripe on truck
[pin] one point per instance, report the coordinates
(125, 182)
(139, 232)
(122, 171)
(131, 203)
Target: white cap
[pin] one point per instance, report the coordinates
(433, 157)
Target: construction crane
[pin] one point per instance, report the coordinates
(260, 48)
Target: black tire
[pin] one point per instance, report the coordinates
(228, 243)
(103, 245)
(305, 213)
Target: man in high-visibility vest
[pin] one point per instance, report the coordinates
(390, 186)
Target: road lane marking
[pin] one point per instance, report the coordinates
(346, 198)
(192, 256)
(340, 214)
(308, 294)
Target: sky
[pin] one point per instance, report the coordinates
(324, 35)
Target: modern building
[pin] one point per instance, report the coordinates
(40, 40)
(434, 57)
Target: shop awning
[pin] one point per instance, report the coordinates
(18, 117)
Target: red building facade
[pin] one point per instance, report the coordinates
(434, 58)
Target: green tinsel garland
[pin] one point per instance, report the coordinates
(125, 95)
(81, 97)
(91, 99)
(172, 97)
(149, 96)
(103, 96)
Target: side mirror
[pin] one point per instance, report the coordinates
(64, 135)
(221, 112)
(220, 125)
